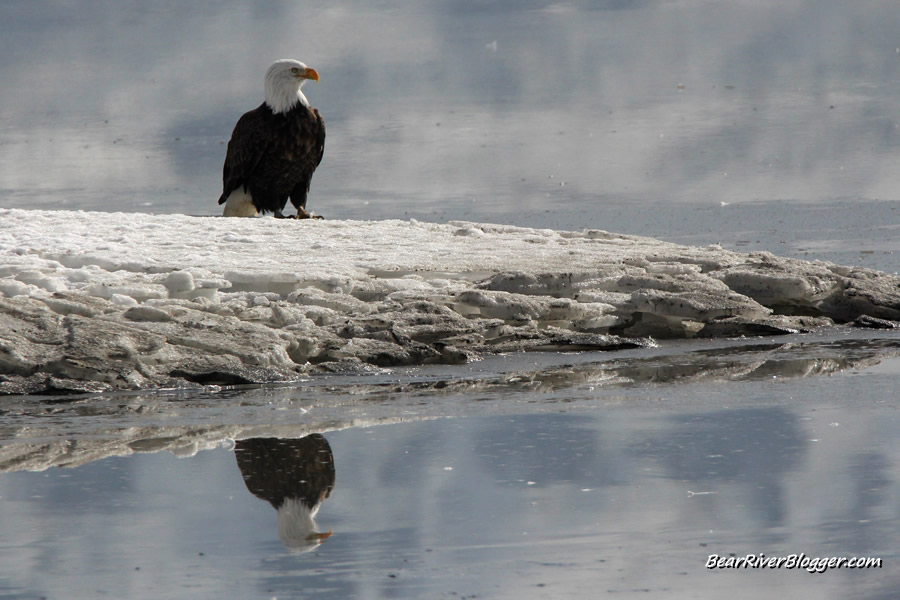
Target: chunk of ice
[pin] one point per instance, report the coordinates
(197, 299)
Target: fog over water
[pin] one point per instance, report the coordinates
(490, 112)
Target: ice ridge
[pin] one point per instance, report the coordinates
(93, 301)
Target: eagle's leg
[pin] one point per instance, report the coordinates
(302, 213)
(279, 215)
(298, 199)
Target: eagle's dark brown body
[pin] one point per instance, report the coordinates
(273, 157)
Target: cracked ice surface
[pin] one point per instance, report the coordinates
(99, 301)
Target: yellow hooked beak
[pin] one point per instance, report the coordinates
(309, 74)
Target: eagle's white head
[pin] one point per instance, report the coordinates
(283, 82)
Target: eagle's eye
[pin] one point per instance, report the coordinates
(295, 70)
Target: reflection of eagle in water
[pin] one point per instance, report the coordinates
(294, 476)
(275, 148)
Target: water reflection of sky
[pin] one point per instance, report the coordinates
(481, 109)
(630, 499)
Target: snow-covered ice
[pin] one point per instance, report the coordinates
(99, 301)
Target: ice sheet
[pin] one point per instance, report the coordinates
(99, 301)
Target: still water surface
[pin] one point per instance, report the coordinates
(576, 485)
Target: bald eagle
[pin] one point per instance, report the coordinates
(275, 148)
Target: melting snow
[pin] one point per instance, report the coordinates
(98, 301)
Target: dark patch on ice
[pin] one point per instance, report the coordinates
(212, 377)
